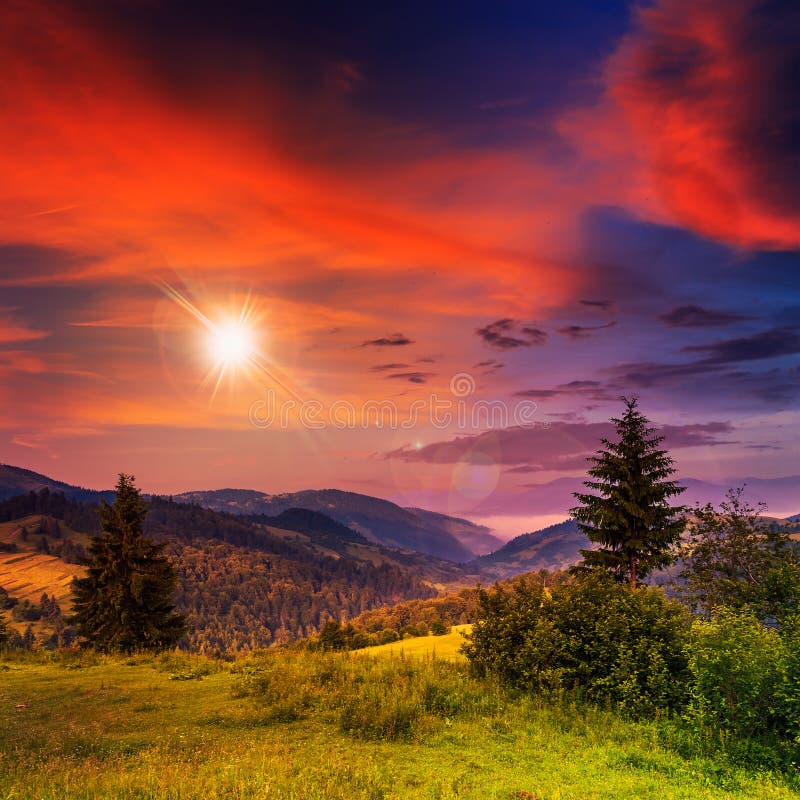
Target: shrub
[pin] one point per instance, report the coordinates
(387, 635)
(739, 669)
(508, 618)
(594, 637)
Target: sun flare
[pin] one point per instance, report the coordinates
(231, 344)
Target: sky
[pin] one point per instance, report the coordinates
(235, 236)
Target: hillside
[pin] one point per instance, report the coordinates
(16, 480)
(556, 547)
(243, 584)
(476, 538)
(379, 521)
(446, 647)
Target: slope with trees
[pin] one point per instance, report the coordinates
(241, 583)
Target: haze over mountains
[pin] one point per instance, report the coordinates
(782, 496)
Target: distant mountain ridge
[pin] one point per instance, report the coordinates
(478, 538)
(243, 583)
(16, 480)
(377, 520)
(556, 547)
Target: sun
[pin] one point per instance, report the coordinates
(231, 344)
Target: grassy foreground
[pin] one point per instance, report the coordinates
(323, 726)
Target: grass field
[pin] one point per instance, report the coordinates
(320, 726)
(446, 647)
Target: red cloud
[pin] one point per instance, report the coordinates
(710, 89)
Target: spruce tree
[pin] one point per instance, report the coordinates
(3, 629)
(629, 514)
(125, 603)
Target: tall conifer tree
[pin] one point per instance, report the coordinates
(629, 514)
(125, 601)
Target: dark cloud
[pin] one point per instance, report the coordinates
(489, 365)
(387, 367)
(594, 389)
(606, 305)
(782, 341)
(413, 377)
(538, 394)
(696, 435)
(522, 469)
(774, 387)
(507, 334)
(718, 355)
(692, 316)
(645, 374)
(579, 386)
(394, 340)
(553, 446)
(406, 80)
(535, 335)
(583, 331)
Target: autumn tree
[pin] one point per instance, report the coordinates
(627, 510)
(125, 603)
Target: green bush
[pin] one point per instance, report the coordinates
(740, 669)
(790, 689)
(387, 635)
(594, 637)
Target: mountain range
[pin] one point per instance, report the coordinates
(328, 517)
(379, 521)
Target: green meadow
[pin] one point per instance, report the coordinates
(447, 647)
(315, 725)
